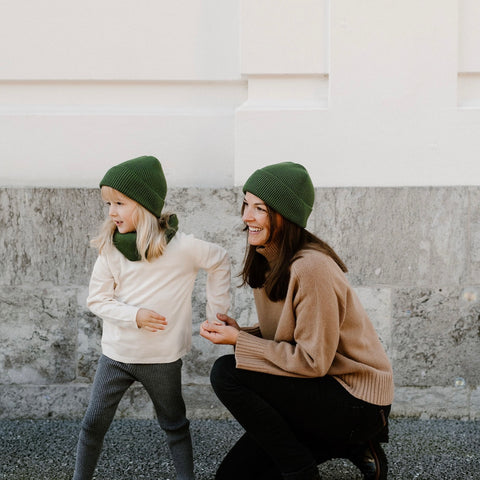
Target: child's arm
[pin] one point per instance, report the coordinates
(101, 301)
(215, 261)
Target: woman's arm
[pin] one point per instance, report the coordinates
(308, 331)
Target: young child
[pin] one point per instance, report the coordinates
(141, 287)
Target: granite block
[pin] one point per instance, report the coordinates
(397, 236)
(436, 337)
(39, 334)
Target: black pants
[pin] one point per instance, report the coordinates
(290, 423)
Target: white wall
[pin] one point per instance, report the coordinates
(88, 84)
(363, 92)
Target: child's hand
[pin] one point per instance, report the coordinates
(150, 320)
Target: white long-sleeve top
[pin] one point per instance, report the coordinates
(119, 288)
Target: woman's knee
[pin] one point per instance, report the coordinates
(222, 371)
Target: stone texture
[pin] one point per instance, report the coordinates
(432, 402)
(66, 401)
(413, 256)
(38, 331)
(473, 265)
(43, 401)
(378, 304)
(212, 215)
(45, 233)
(397, 236)
(135, 404)
(198, 362)
(88, 346)
(436, 337)
(202, 402)
(475, 404)
(243, 309)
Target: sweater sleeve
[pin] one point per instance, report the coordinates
(101, 300)
(215, 261)
(255, 330)
(308, 330)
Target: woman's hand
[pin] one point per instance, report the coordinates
(150, 320)
(221, 333)
(228, 320)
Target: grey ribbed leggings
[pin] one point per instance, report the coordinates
(112, 379)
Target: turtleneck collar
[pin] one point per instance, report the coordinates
(126, 243)
(269, 251)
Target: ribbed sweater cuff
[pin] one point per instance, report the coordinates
(249, 352)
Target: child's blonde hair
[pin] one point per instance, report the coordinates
(151, 231)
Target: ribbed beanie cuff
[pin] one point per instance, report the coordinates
(140, 179)
(287, 188)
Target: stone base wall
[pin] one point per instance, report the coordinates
(413, 256)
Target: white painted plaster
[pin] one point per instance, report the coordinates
(371, 93)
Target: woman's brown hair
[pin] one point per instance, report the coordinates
(290, 239)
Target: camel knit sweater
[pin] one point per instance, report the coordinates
(319, 329)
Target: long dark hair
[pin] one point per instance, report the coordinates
(290, 239)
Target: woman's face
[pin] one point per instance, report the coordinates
(256, 218)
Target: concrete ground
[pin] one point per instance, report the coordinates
(135, 449)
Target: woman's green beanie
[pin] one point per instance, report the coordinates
(286, 187)
(140, 179)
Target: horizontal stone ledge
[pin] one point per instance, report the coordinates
(437, 402)
(70, 402)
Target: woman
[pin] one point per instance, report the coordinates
(311, 381)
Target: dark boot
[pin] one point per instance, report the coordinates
(370, 459)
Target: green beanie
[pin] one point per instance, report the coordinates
(286, 187)
(140, 179)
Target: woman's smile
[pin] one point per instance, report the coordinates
(256, 218)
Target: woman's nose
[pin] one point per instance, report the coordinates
(247, 214)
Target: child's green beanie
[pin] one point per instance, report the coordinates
(140, 179)
(286, 187)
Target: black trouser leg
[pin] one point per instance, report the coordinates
(294, 422)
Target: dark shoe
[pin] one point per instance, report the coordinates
(371, 460)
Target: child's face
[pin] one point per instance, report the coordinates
(121, 209)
